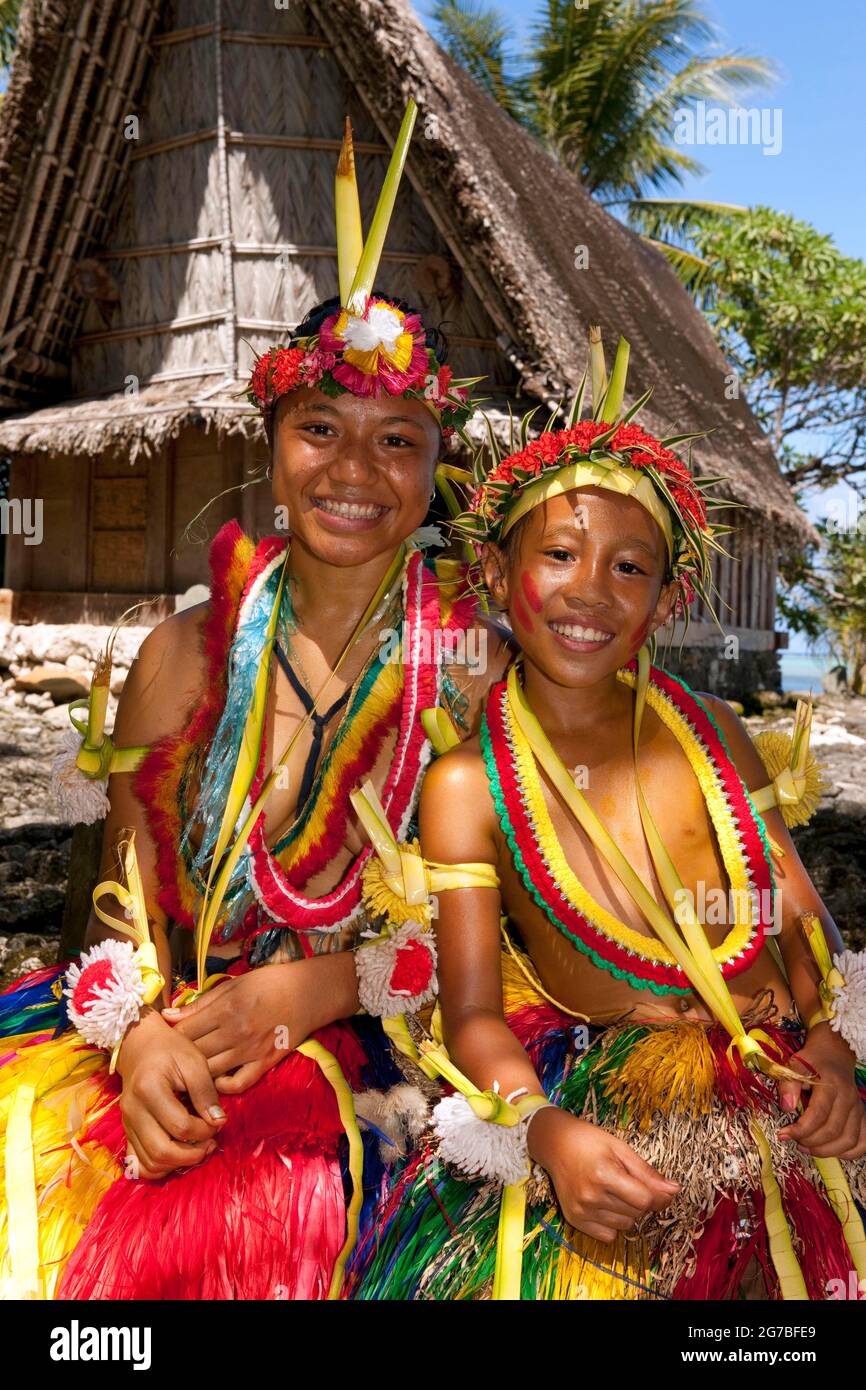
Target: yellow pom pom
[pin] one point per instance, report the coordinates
(774, 749)
(381, 900)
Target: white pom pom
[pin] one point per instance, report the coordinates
(849, 1003)
(409, 954)
(480, 1148)
(80, 799)
(105, 990)
(400, 1114)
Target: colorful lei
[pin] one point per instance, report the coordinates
(642, 961)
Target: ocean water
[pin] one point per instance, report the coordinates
(803, 670)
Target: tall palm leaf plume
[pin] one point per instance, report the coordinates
(670, 225)
(604, 82)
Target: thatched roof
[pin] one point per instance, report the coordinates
(510, 217)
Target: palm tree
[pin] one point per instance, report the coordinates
(10, 11)
(671, 226)
(604, 82)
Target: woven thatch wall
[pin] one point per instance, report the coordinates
(252, 239)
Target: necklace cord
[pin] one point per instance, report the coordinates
(224, 859)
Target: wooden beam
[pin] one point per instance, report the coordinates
(276, 40)
(160, 248)
(175, 142)
(149, 330)
(303, 142)
(171, 36)
(201, 31)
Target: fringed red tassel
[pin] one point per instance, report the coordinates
(233, 558)
(821, 1250)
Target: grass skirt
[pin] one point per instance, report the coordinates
(670, 1092)
(264, 1217)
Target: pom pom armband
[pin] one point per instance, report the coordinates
(482, 1133)
(396, 967)
(796, 783)
(842, 988)
(107, 988)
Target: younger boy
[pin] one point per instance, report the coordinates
(609, 798)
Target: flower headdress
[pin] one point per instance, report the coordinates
(606, 451)
(371, 346)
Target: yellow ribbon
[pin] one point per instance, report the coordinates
(693, 954)
(97, 757)
(785, 1262)
(788, 786)
(607, 474)
(489, 1105)
(832, 978)
(333, 1074)
(409, 876)
(20, 1170)
(439, 728)
(136, 925)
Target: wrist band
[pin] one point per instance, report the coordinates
(396, 970)
(494, 1148)
(842, 988)
(108, 985)
(105, 992)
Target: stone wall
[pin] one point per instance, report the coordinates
(703, 668)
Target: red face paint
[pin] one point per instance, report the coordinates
(639, 635)
(533, 597)
(519, 612)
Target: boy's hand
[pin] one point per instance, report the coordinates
(833, 1122)
(602, 1185)
(157, 1064)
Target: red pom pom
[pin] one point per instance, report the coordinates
(96, 976)
(413, 969)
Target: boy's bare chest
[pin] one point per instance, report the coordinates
(677, 806)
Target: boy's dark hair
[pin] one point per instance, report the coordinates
(434, 339)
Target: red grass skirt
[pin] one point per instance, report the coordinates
(264, 1217)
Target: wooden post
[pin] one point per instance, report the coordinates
(84, 860)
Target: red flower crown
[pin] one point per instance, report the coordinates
(380, 352)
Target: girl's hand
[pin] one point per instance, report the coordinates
(156, 1066)
(602, 1185)
(243, 1025)
(833, 1122)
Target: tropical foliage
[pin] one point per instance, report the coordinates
(10, 11)
(603, 82)
(789, 310)
(825, 594)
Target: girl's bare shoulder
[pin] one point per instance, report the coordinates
(168, 675)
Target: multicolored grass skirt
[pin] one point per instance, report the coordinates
(669, 1091)
(264, 1217)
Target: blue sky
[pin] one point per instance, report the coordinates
(820, 50)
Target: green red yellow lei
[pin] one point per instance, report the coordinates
(642, 961)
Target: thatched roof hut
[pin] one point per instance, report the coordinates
(157, 227)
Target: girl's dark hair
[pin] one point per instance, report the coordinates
(434, 338)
